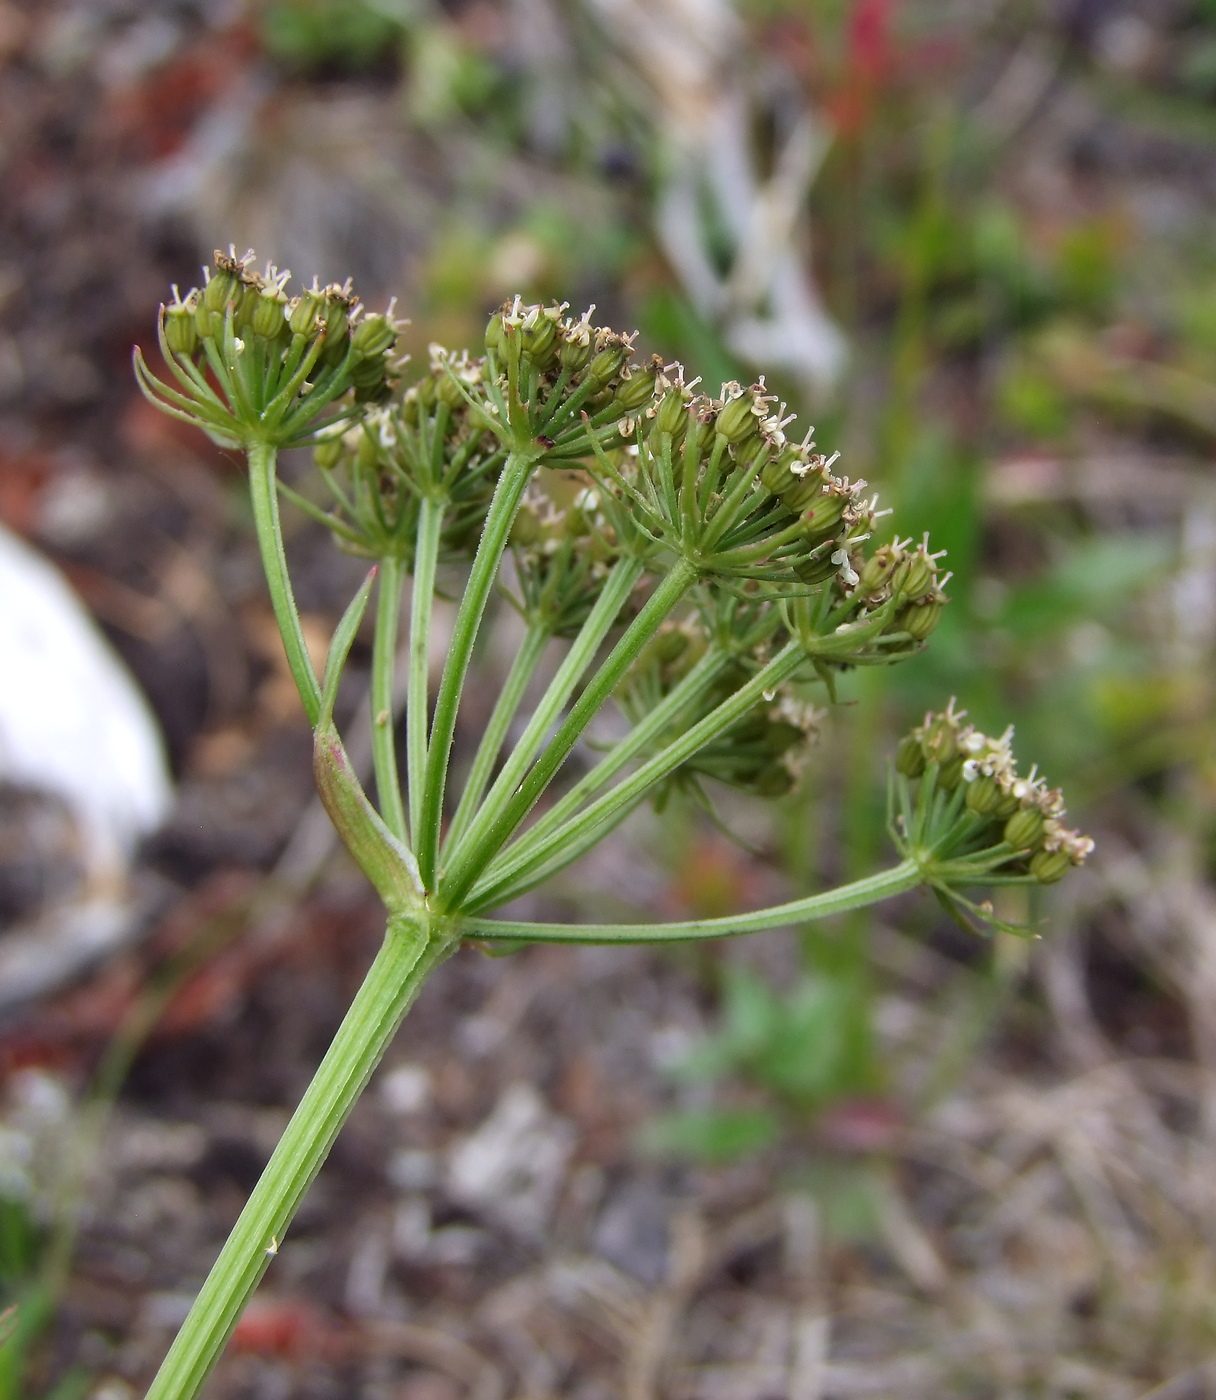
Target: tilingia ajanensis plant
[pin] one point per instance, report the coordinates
(704, 570)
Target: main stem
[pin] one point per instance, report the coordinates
(410, 952)
(265, 499)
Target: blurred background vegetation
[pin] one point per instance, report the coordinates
(972, 242)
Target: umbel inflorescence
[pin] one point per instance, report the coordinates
(1024, 813)
(707, 574)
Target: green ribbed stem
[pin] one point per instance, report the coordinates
(485, 895)
(874, 888)
(619, 585)
(410, 952)
(384, 666)
(636, 742)
(497, 822)
(507, 495)
(523, 668)
(265, 497)
(417, 718)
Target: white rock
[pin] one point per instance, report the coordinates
(72, 721)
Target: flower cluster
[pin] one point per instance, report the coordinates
(718, 482)
(277, 362)
(424, 444)
(1023, 814)
(714, 485)
(558, 380)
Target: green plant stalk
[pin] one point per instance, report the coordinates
(426, 559)
(574, 665)
(531, 649)
(384, 665)
(658, 606)
(265, 499)
(507, 495)
(639, 738)
(780, 668)
(871, 890)
(410, 952)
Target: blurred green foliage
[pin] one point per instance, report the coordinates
(27, 1307)
(310, 35)
(806, 1048)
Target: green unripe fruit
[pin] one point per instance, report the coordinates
(606, 364)
(336, 347)
(337, 317)
(776, 474)
(910, 757)
(573, 353)
(815, 568)
(696, 436)
(304, 314)
(736, 421)
(1049, 866)
(949, 775)
(941, 742)
(375, 392)
(876, 573)
(447, 391)
(268, 319)
(365, 373)
(823, 515)
(1024, 829)
(1006, 807)
(919, 620)
(805, 490)
(373, 335)
(525, 529)
(495, 333)
(367, 453)
(671, 645)
(337, 330)
(208, 323)
(750, 448)
(916, 576)
(245, 302)
(181, 329)
(672, 415)
(369, 375)
(983, 795)
(328, 454)
(220, 288)
(636, 390)
(538, 341)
